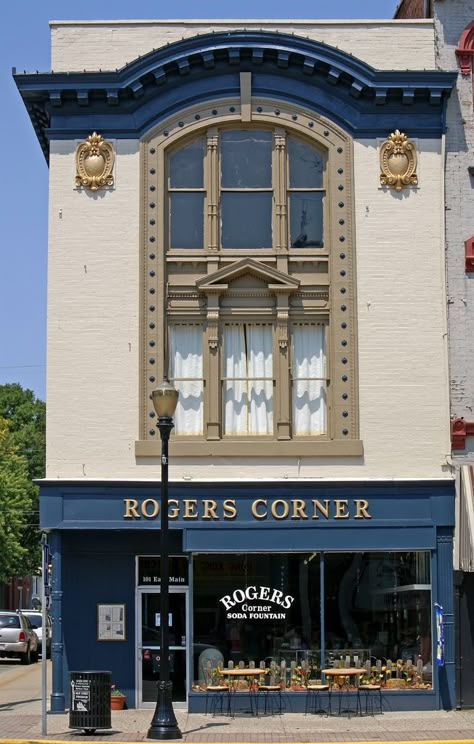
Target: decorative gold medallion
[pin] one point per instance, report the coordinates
(398, 161)
(94, 163)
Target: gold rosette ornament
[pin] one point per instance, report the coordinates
(94, 163)
(398, 161)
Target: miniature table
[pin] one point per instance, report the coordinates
(345, 672)
(243, 673)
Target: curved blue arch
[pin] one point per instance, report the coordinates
(129, 101)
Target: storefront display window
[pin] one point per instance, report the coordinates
(256, 608)
(266, 609)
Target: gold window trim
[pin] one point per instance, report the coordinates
(184, 286)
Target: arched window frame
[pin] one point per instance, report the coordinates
(192, 285)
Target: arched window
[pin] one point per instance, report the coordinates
(255, 184)
(254, 287)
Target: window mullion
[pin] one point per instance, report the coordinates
(212, 187)
(280, 188)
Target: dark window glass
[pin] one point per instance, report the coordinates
(246, 159)
(9, 621)
(377, 609)
(257, 628)
(306, 165)
(36, 619)
(378, 605)
(186, 166)
(246, 220)
(306, 219)
(186, 216)
(151, 641)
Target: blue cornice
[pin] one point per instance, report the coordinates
(128, 102)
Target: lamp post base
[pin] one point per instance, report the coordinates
(164, 724)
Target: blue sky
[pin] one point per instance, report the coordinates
(24, 175)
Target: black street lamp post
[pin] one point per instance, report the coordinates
(164, 724)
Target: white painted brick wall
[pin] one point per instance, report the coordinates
(92, 363)
(107, 45)
(93, 332)
(451, 20)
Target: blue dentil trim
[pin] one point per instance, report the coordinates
(126, 103)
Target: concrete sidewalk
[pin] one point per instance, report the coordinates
(20, 719)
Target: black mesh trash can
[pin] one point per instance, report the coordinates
(90, 701)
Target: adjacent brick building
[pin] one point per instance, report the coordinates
(454, 45)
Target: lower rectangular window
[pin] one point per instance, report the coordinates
(186, 372)
(267, 609)
(248, 379)
(309, 379)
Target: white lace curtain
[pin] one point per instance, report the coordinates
(309, 380)
(248, 388)
(186, 373)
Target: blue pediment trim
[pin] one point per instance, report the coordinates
(127, 102)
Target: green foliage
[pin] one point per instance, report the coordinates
(26, 417)
(22, 459)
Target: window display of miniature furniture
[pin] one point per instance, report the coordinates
(217, 700)
(233, 674)
(373, 699)
(344, 689)
(314, 696)
(272, 697)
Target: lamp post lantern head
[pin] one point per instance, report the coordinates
(165, 399)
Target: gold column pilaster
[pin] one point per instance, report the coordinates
(212, 187)
(283, 371)
(280, 216)
(212, 374)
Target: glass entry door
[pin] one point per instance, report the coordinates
(149, 644)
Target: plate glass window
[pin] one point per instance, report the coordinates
(186, 196)
(305, 194)
(246, 189)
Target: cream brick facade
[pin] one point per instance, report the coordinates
(349, 299)
(107, 45)
(93, 330)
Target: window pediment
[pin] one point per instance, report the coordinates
(250, 274)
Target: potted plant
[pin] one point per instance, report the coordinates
(117, 698)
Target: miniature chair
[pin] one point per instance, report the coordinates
(217, 696)
(373, 699)
(314, 696)
(272, 697)
(217, 700)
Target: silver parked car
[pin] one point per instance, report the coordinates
(17, 637)
(36, 619)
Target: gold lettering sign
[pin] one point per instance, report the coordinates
(261, 509)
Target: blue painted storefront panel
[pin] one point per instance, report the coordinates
(99, 568)
(97, 549)
(284, 539)
(104, 505)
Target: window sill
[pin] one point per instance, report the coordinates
(238, 448)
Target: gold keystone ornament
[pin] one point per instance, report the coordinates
(94, 163)
(398, 162)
